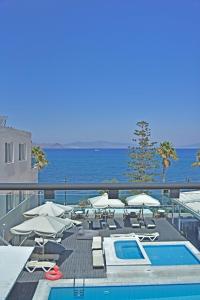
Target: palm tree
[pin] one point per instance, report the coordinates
(166, 152)
(197, 162)
(39, 157)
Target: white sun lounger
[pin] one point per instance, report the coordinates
(76, 222)
(33, 265)
(41, 242)
(149, 236)
(97, 259)
(96, 243)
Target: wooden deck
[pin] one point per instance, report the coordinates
(76, 260)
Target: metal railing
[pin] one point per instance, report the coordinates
(100, 186)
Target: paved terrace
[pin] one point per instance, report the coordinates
(77, 259)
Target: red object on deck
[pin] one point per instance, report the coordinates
(54, 274)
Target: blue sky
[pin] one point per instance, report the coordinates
(89, 70)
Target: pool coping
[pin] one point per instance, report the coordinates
(44, 286)
(113, 260)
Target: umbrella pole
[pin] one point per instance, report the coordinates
(43, 247)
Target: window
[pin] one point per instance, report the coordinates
(22, 151)
(9, 202)
(9, 157)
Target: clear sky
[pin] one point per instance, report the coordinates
(90, 69)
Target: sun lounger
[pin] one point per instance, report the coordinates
(149, 236)
(33, 265)
(97, 259)
(96, 224)
(97, 243)
(76, 222)
(134, 222)
(44, 257)
(41, 242)
(149, 223)
(122, 235)
(111, 224)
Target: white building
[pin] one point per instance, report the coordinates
(15, 155)
(15, 167)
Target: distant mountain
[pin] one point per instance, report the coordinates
(191, 146)
(84, 145)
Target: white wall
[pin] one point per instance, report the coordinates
(16, 171)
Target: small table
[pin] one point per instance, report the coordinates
(79, 213)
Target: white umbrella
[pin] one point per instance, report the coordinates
(104, 202)
(48, 209)
(42, 226)
(142, 200)
(100, 198)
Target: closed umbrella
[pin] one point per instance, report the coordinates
(49, 209)
(42, 226)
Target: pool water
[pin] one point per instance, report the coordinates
(150, 292)
(166, 255)
(128, 250)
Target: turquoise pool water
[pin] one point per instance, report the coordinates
(166, 255)
(150, 292)
(128, 250)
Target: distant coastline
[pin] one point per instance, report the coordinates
(98, 145)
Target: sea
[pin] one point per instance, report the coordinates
(104, 165)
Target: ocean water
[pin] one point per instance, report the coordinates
(91, 166)
(97, 166)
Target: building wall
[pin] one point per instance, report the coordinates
(16, 171)
(14, 204)
(15, 215)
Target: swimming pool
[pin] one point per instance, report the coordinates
(128, 250)
(168, 255)
(140, 292)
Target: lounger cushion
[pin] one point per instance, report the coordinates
(97, 259)
(96, 243)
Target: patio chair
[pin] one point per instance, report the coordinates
(111, 214)
(150, 223)
(150, 236)
(97, 243)
(134, 222)
(98, 214)
(86, 214)
(33, 265)
(133, 214)
(111, 224)
(97, 259)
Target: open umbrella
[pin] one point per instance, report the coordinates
(102, 198)
(49, 209)
(42, 226)
(104, 202)
(142, 200)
